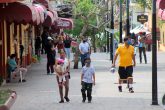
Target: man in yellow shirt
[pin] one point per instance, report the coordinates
(126, 63)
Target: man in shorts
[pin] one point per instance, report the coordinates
(126, 63)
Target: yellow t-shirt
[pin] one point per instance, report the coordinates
(126, 55)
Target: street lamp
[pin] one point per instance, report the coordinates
(120, 24)
(112, 31)
(107, 34)
(154, 56)
(127, 19)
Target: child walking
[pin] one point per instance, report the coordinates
(60, 69)
(87, 80)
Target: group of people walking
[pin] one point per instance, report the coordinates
(87, 74)
(60, 46)
(52, 45)
(88, 71)
(58, 62)
(58, 51)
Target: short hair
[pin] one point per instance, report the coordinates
(12, 56)
(144, 33)
(88, 58)
(125, 39)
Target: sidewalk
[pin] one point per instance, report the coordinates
(40, 92)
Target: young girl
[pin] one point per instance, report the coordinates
(60, 69)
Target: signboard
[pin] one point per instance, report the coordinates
(142, 18)
(111, 30)
(65, 23)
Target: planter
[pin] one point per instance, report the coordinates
(10, 101)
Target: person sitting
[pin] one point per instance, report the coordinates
(15, 69)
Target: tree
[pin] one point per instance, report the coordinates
(145, 3)
(89, 19)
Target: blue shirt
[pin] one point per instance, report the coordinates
(84, 47)
(141, 44)
(88, 73)
(12, 64)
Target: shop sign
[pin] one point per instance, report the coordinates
(63, 23)
(142, 18)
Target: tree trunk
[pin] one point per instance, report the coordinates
(84, 29)
(94, 43)
(76, 58)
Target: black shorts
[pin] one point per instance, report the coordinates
(125, 72)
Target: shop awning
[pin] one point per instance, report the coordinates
(160, 4)
(9, 1)
(163, 15)
(41, 10)
(55, 15)
(43, 2)
(157, 3)
(160, 11)
(64, 23)
(38, 20)
(49, 19)
(19, 12)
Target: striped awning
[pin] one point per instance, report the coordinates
(9, 1)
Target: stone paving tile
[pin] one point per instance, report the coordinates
(40, 92)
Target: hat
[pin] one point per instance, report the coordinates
(60, 61)
(49, 38)
(140, 33)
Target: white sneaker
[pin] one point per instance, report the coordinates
(48, 73)
(54, 73)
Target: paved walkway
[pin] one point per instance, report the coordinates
(40, 92)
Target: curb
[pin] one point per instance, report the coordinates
(11, 100)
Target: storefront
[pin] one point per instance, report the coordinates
(20, 23)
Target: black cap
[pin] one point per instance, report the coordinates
(125, 39)
(12, 56)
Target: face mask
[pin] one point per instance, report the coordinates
(88, 63)
(84, 41)
(62, 64)
(129, 42)
(62, 57)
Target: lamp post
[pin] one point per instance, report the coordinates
(107, 34)
(112, 31)
(120, 24)
(127, 20)
(154, 56)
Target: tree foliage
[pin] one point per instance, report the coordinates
(85, 12)
(145, 3)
